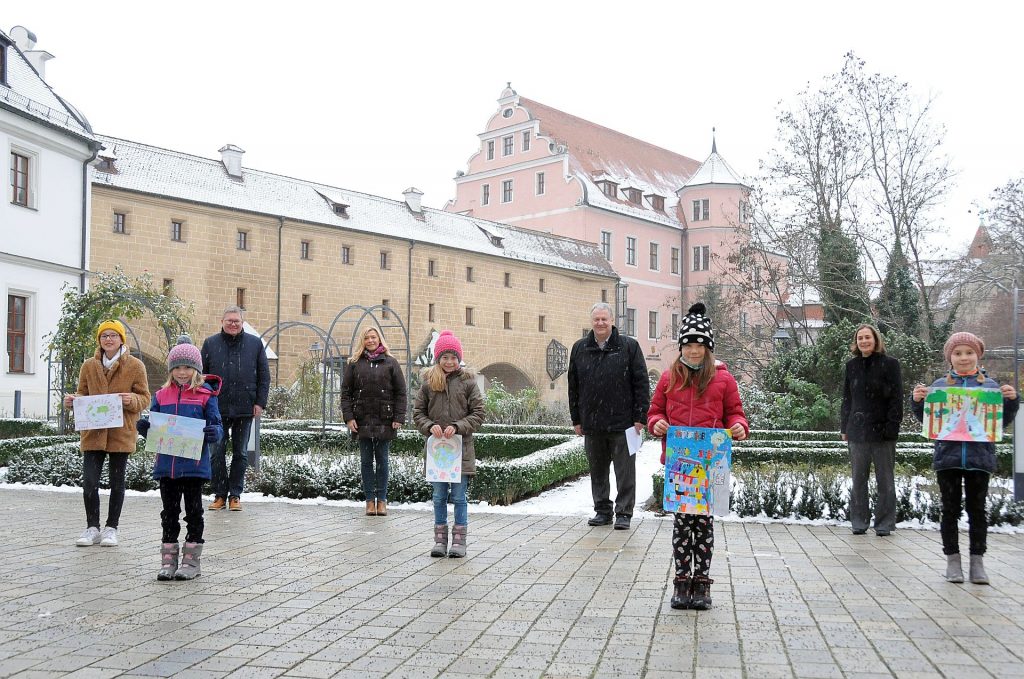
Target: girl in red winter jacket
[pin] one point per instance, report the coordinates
(697, 391)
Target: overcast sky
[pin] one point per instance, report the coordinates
(376, 97)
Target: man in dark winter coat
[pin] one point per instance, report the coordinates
(240, 360)
(609, 392)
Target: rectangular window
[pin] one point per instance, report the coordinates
(485, 196)
(658, 203)
(540, 183)
(744, 323)
(430, 313)
(508, 320)
(675, 325)
(469, 274)
(508, 280)
(701, 258)
(674, 260)
(19, 180)
(120, 222)
(346, 254)
(469, 315)
(604, 295)
(610, 189)
(17, 308)
(631, 250)
(606, 245)
(384, 313)
(385, 264)
(655, 264)
(744, 212)
(490, 150)
(506, 191)
(306, 303)
(507, 145)
(243, 240)
(176, 234)
(701, 209)
(240, 298)
(540, 324)
(304, 250)
(631, 322)
(633, 196)
(432, 268)
(526, 141)
(168, 286)
(540, 284)
(652, 325)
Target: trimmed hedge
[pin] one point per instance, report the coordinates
(11, 447)
(19, 428)
(502, 482)
(784, 435)
(61, 465)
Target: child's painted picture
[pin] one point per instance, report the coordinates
(444, 459)
(963, 414)
(698, 463)
(175, 435)
(103, 411)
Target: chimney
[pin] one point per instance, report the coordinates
(25, 40)
(413, 196)
(231, 156)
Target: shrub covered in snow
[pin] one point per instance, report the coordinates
(11, 447)
(11, 427)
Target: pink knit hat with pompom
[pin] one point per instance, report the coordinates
(185, 353)
(447, 341)
(968, 339)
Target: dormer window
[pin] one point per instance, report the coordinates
(657, 202)
(610, 189)
(337, 207)
(633, 196)
(3, 61)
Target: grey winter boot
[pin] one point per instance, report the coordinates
(978, 575)
(440, 540)
(458, 549)
(168, 561)
(954, 572)
(190, 555)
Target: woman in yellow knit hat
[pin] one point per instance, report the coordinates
(112, 370)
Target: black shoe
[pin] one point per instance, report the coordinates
(682, 598)
(860, 531)
(882, 533)
(621, 522)
(600, 520)
(701, 593)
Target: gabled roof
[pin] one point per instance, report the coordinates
(28, 95)
(715, 170)
(172, 174)
(981, 245)
(594, 149)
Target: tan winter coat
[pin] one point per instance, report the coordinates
(127, 375)
(460, 405)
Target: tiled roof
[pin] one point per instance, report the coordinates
(594, 149)
(172, 174)
(715, 170)
(30, 96)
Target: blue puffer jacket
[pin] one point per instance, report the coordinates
(968, 455)
(200, 404)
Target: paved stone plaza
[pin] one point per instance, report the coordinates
(313, 591)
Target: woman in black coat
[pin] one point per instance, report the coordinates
(870, 422)
(373, 403)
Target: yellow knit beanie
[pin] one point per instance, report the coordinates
(116, 326)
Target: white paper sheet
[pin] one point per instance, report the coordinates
(633, 440)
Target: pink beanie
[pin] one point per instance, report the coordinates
(963, 338)
(446, 341)
(185, 353)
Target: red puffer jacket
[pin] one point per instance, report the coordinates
(718, 408)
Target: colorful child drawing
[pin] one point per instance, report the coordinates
(103, 411)
(444, 459)
(697, 470)
(963, 414)
(175, 435)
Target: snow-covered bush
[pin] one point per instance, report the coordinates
(11, 447)
(11, 427)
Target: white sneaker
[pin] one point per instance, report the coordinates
(91, 536)
(108, 537)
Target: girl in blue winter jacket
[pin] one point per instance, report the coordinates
(963, 467)
(187, 393)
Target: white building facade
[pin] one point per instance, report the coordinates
(44, 216)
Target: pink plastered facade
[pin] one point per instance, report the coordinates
(666, 222)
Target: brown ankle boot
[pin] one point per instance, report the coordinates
(382, 508)
(371, 508)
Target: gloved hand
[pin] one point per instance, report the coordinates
(142, 426)
(210, 434)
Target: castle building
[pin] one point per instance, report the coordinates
(666, 223)
(44, 216)
(296, 253)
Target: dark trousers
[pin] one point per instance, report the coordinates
(604, 450)
(882, 454)
(975, 483)
(171, 492)
(92, 467)
(224, 485)
(373, 454)
(693, 543)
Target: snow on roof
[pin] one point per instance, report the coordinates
(161, 172)
(30, 96)
(715, 170)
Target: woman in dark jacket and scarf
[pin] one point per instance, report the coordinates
(373, 403)
(870, 422)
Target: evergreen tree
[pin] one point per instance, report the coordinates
(843, 290)
(898, 304)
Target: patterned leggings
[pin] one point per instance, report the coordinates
(693, 543)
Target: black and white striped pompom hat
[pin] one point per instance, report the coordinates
(696, 328)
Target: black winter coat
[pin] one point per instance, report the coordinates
(872, 399)
(373, 394)
(608, 388)
(241, 363)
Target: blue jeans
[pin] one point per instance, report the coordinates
(375, 483)
(223, 484)
(458, 491)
